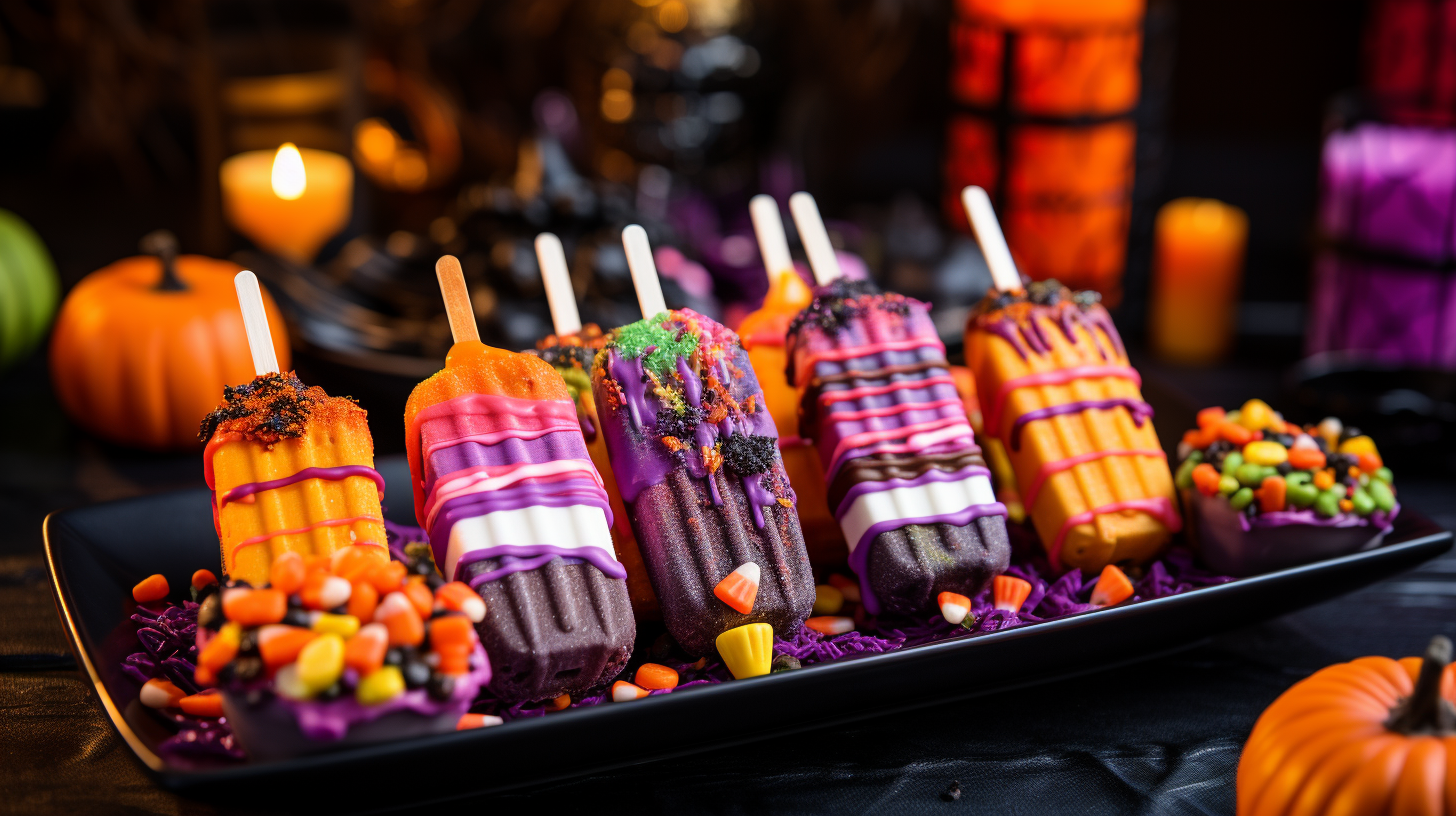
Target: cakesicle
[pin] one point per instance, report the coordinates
(695, 453)
(905, 478)
(1058, 391)
(514, 507)
(291, 468)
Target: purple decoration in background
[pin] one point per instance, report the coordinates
(1395, 314)
(1391, 189)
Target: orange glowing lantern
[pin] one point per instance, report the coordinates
(290, 201)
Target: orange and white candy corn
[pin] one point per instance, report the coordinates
(833, 625)
(157, 693)
(1113, 587)
(953, 606)
(740, 588)
(622, 691)
(1010, 592)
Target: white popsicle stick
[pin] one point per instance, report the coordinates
(644, 270)
(559, 294)
(768, 227)
(815, 238)
(255, 323)
(993, 243)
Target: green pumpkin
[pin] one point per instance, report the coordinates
(29, 289)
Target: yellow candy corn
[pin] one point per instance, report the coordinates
(747, 650)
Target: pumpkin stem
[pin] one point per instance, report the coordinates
(1425, 711)
(163, 244)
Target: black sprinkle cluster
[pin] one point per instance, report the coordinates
(835, 306)
(1044, 293)
(567, 356)
(1086, 298)
(682, 426)
(285, 402)
(747, 455)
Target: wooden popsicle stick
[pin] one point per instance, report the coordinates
(815, 238)
(768, 227)
(993, 243)
(255, 323)
(457, 299)
(644, 271)
(559, 294)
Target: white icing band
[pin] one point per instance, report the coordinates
(576, 527)
(921, 501)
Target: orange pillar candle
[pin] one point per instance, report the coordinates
(1198, 261)
(290, 201)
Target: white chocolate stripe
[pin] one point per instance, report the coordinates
(930, 499)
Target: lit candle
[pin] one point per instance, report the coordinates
(289, 202)
(1198, 261)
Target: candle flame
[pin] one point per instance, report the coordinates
(289, 177)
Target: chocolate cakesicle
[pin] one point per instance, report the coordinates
(570, 351)
(513, 506)
(695, 453)
(905, 478)
(1059, 392)
(291, 468)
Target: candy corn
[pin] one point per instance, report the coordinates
(469, 721)
(158, 693)
(204, 704)
(203, 578)
(364, 653)
(740, 587)
(747, 650)
(954, 606)
(459, 597)
(833, 625)
(622, 691)
(1010, 592)
(1113, 587)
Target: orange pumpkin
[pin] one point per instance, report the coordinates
(142, 348)
(1364, 738)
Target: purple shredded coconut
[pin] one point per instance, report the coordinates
(168, 638)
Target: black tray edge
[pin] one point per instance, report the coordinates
(1412, 552)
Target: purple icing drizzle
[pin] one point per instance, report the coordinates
(1141, 412)
(522, 557)
(859, 556)
(331, 474)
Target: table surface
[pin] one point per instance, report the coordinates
(1161, 736)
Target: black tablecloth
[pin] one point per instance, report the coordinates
(1160, 736)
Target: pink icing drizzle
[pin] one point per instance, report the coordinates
(1051, 468)
(482, 479)
(908, 433)
(805, 369)
(489, 418)
(248, 542)
(890, 410)
(1059, 377)
(1160, 507)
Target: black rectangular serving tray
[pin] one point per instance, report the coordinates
(96, 554)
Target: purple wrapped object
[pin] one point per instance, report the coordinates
(1393, 313)
(1388, 205)
(1391, 189)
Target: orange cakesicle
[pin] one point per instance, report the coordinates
(292, 470)
(762, 334)
(1057, 390)
(571, 356)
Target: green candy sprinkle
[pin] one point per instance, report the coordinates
(1184, 477)
(1363, 504)
(1382, 495)
(1384, 475)
(1243, 498)
(671, 344)
(1298, 477)
(1301, 495)
(1327, 505)
(1250, 475)
(1231, 463)
(1227, 485)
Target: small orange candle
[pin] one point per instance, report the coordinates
(1198, 261)
(289, 202)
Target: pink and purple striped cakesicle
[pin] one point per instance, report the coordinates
(514, 507)
(905, 478)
